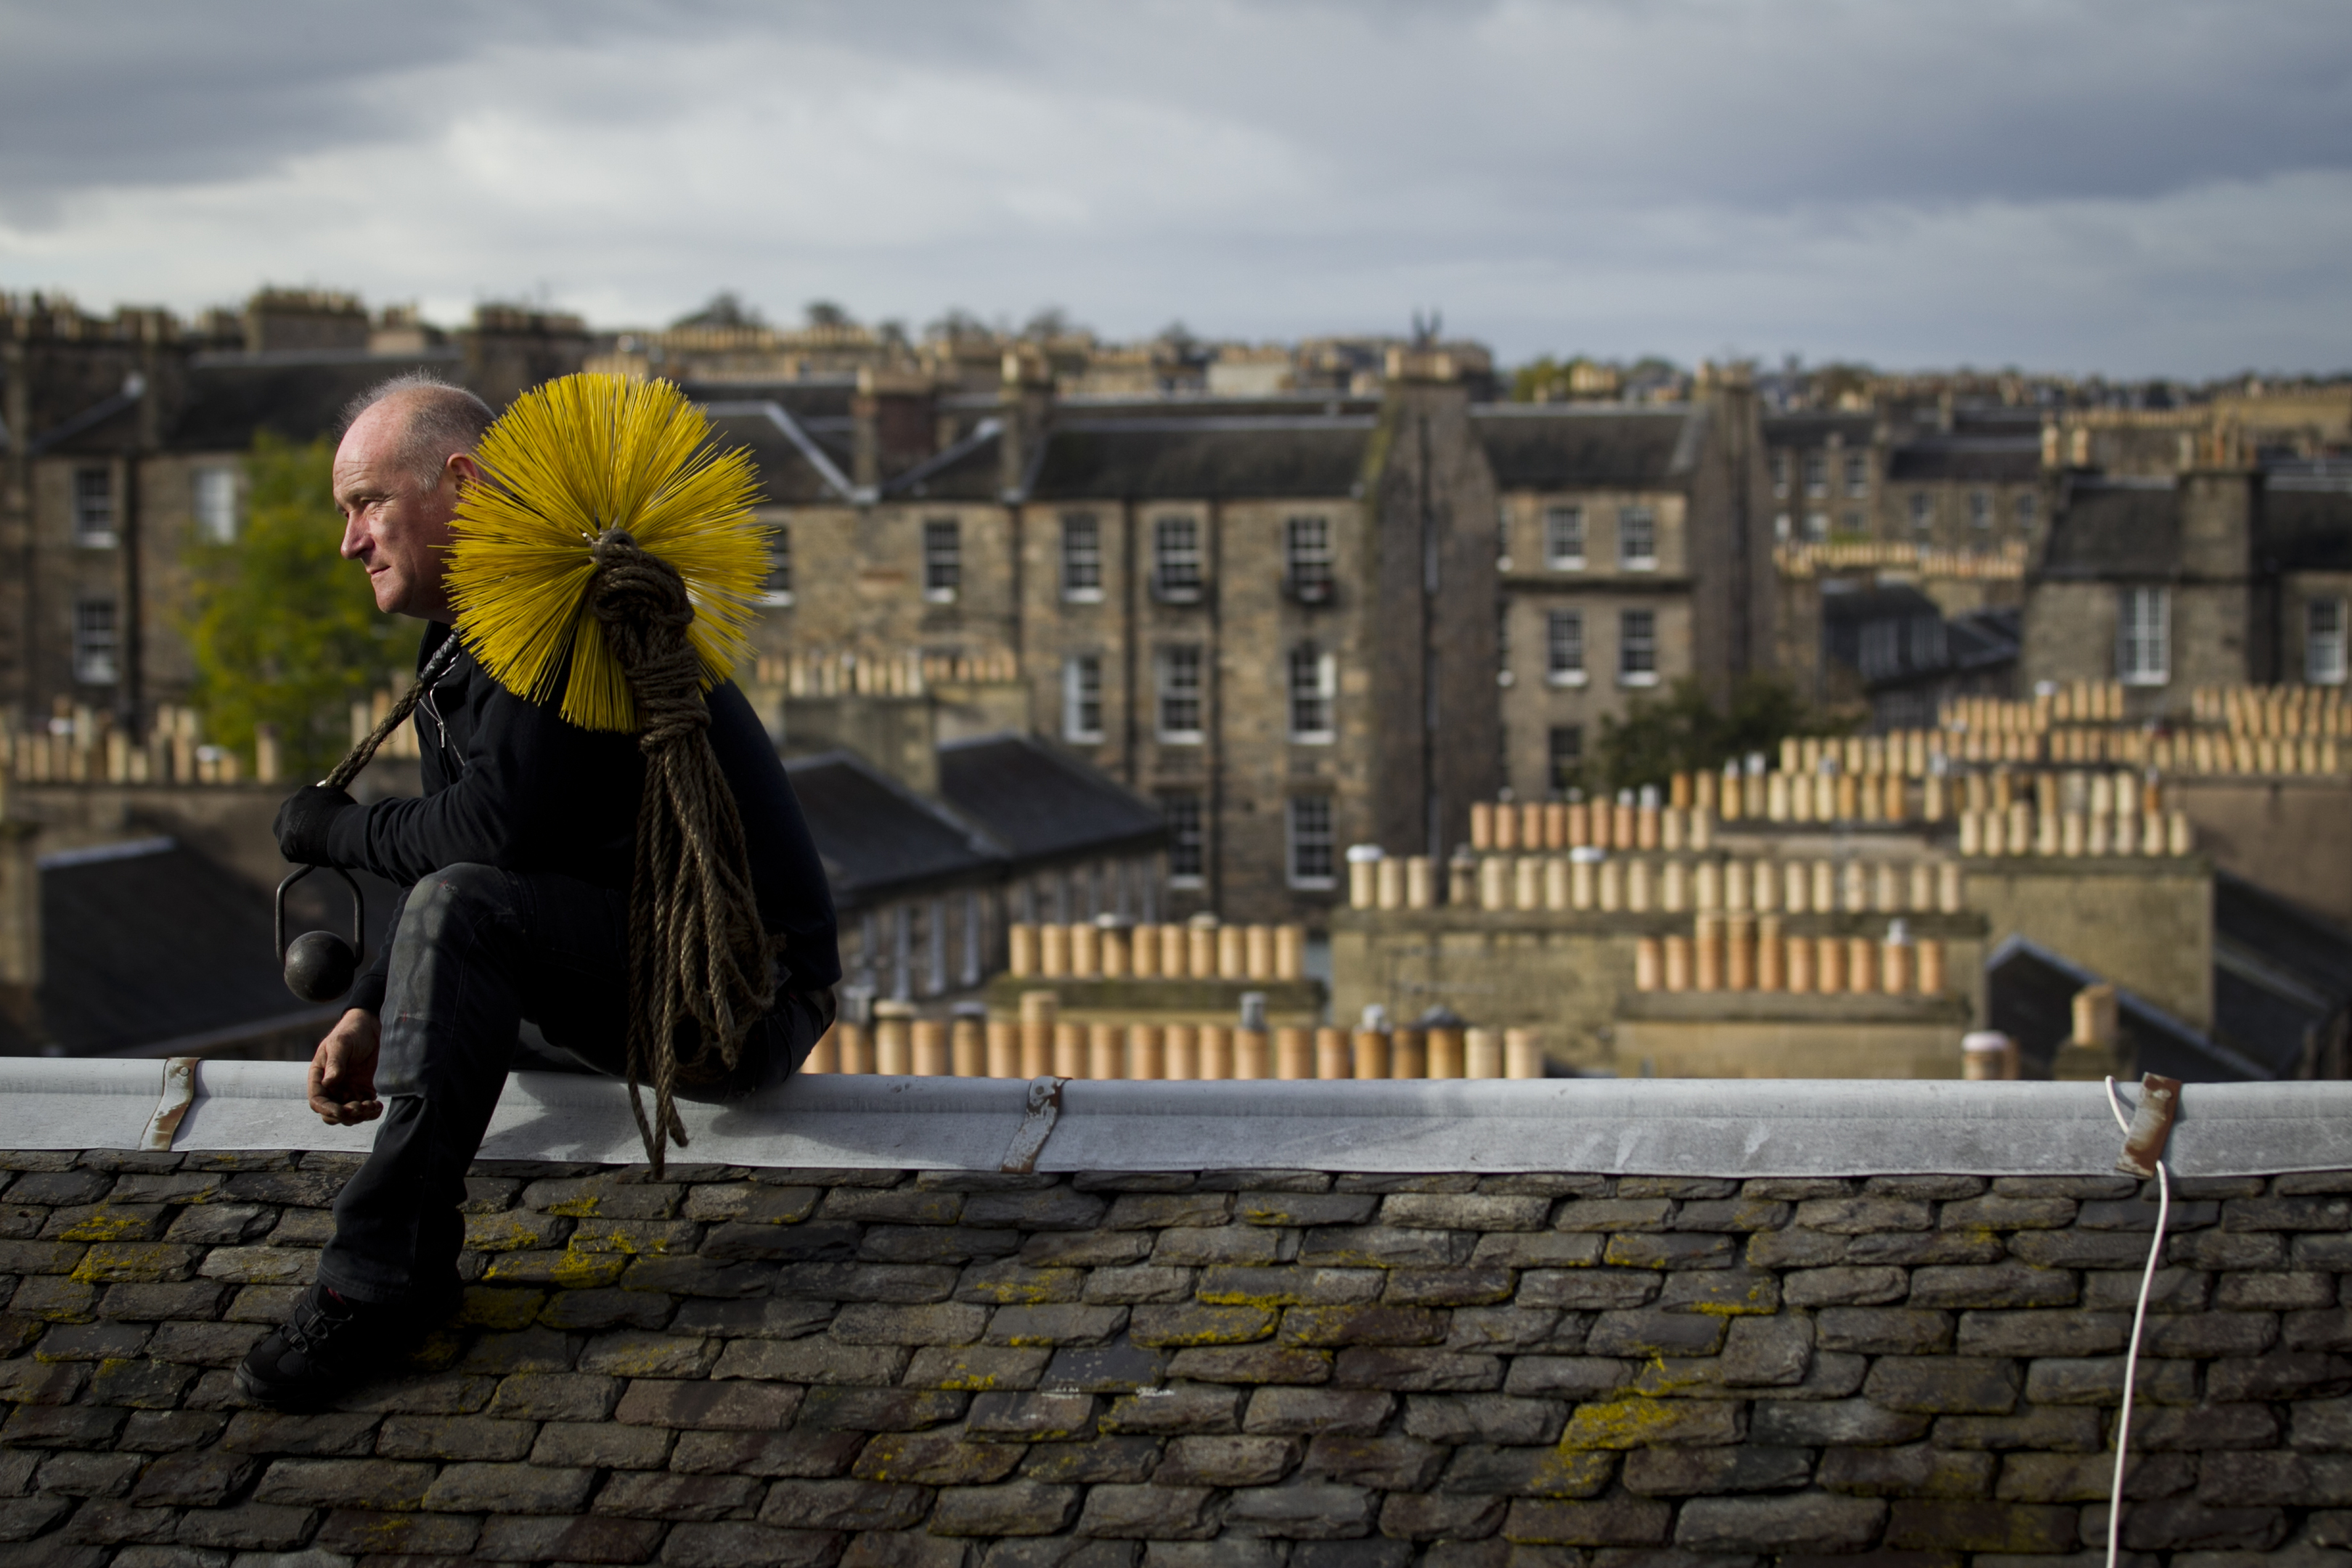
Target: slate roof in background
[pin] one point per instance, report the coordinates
(1814, 428)
(2114, 528)
(148, 942)
(1543, 446)
(787, 476)
(298, 395)
(1982, 639)
(817, 399)
(966, 470)
(2282, 976)
(2029, 997)
(1206, 459)
(1998, 419)
(878, 839)
(2306, 523)
(1994, 460)
(1044, 805)
(1892, 601)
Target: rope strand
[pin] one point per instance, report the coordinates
(356, 759)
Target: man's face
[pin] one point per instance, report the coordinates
(392, 525)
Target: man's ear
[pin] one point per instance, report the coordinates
(462, 469)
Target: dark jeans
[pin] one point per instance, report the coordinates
(478, 951)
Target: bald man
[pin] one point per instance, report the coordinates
(517, 858)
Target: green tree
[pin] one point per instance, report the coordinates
(285, 631)
(1541, 380)
(1682, 732)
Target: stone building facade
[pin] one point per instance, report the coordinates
(2219, 576)
(1299, 622)
(122, 443)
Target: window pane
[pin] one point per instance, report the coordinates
(1310, 841)
(2143, 636)
(1637, 536)
(1817, 474)
(1857, 475)
(1923, 509)
(1176, 550)
(1081, 554)
(778, 589)
(1637, 643)
(1565, 635)
(211, 498)
(942, 557)
(94, 662)
(1312, 677)
(1180, 692)
(2323, 643)
(1082, 697)
(1564, 537)
(1566, 746)
(1182, 811)
(1307, 547)
(93, 516)
(2025, 510)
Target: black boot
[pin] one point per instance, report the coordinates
(331, 1344)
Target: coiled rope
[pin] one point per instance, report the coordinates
(699, 958)
(699, 970)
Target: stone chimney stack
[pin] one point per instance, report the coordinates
(893, 424)
(1027, 405)
(282, 319)
(510, 349)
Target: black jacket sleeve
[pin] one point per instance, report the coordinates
(532, 793)
(368, 990)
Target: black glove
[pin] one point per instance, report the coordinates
(305, 820)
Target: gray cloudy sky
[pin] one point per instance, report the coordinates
(2137, 186)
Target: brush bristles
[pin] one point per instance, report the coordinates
(567, 461)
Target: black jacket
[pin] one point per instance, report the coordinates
(508, 784)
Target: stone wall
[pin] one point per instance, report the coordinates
(1245, 1367)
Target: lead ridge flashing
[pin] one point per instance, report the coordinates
(1736, 1128)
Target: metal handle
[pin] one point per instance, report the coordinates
(359, 906)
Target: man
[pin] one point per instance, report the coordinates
(518, 859)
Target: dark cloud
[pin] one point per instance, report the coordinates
(2089, 182)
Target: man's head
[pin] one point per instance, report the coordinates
(407, 448)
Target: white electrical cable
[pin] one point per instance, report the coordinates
(2140, 1321)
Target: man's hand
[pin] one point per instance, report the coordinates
(342, 1071)
(304, 819)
